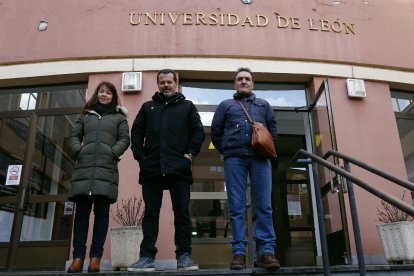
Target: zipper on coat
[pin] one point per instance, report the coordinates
(96, 139)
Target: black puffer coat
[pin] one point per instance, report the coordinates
(97, 142)
(162, 133)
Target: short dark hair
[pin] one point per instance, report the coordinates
(94, 99)
(244, 69)
(167, 71)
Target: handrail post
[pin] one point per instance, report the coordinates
(355, 222)
(321, 221)
(250, 231)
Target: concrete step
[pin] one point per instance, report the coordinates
(168, 268)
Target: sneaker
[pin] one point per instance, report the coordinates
(145, 264)
(270, 262)
(238, 262)
(185, 262)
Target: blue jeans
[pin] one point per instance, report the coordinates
(259, 170)
(81, 226)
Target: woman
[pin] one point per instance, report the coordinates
(100, 136)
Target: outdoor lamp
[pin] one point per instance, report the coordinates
(131, 81)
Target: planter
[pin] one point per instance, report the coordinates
(125, 243)
(397, 241)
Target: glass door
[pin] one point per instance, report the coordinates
(292, 200)
(12, 152)
(323, 137)
(35, 169)
(211, 231)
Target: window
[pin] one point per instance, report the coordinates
(403, 104)
(28, 101)
(213, 93)
(46, 97)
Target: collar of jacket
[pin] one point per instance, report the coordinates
(158, 97)
(251, 97)
(116, 109)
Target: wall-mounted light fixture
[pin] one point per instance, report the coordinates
(247, 1)
(356, 88)
(131, 81)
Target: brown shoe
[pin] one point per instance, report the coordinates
(94, 264)
(238, 262)
(270, 262)
(76, 266)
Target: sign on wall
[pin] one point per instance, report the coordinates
(13, 174)
(233, 19)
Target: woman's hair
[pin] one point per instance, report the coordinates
(94, 99)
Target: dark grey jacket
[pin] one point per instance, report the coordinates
(97, 142)
(162, 133)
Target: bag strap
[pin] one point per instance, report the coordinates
(245, 112)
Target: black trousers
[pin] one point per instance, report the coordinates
(81, 225)
(152, 192)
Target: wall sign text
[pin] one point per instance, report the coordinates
(234, 20)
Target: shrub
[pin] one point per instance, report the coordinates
(129, 212)
(388, 213)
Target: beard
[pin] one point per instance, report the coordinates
(168, 93)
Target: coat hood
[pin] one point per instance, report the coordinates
(122, 109)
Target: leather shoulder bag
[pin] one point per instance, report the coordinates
(262, 140)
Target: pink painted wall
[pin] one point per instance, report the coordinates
(383, 36)
(129, 168)
(366, 129)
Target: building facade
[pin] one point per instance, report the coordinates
(303, 54)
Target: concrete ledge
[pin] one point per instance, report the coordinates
(169, 264)
(160, 265)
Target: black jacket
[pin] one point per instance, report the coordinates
(97, 142)
(162, 133)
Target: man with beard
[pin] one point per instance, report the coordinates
(166, 135)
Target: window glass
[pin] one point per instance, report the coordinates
(403, 102)
(15, 99)
(52, 162)
(6, 221)
(212, 93)
(28, 101)
(51, 222)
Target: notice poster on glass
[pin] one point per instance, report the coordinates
(294, 208)
(68, 208)
(13, 174)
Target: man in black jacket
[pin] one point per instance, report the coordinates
(167, 133)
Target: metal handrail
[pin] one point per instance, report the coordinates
(350, 179)
(373, 190)
(399, 181)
